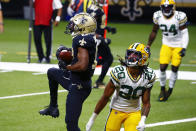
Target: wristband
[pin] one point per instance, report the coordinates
(1, 23)
(143, 118)
(58, 18)
(94, 116)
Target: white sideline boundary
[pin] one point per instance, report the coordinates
(31, 94)
(168, 122)
(42, 69)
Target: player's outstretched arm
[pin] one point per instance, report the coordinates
(145, 109)
(153, 35)
(109, 90)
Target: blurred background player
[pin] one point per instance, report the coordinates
(76, 77)
(43, 24)
(78, 6)
(130, 84)
(1, 20)
(105, 57)
(175, 40)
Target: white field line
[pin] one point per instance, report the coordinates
(168, 122)
(31, 94)
(122, 129)
(42, 69)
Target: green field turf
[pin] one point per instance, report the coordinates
(21, 114)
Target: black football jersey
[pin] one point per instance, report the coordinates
(88, 42)
(98, 14)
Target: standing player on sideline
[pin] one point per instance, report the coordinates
(175, 40)
(76, 77)
(130, 84)
(43, 24)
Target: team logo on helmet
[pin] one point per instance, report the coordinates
(81, 23)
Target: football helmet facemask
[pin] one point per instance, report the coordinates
(81, 23)
(136, 55)
(167, 7)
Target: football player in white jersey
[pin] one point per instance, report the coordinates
(175, 40)
(130, 84)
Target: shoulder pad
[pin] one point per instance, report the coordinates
(156, 16)
(116, 74)
(181, 17)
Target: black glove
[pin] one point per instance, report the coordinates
(58, 51)
(62, 65)
(107, 41)
(148, 50)
(182, 52)
(111, 29)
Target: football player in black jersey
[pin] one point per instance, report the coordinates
(104, 51)
(76, 77)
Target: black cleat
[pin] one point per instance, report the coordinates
(51, 111)
(162, 95)
(169, 92)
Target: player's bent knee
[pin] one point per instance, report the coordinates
(51, 71)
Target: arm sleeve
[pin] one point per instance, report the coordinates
(57, 4)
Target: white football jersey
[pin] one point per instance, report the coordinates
(171, 34)
(128, 92)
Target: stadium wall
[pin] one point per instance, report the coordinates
(129, 11)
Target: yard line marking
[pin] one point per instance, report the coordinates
(193, 82)
(42, 68)
(31, 94)
(171, 122)
(168, 122)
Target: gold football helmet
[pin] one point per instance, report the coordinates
(136, 55)
(81, 23)
(168, 7)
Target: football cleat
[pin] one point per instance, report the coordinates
(162, 96)
(51, 111)
(169, 92)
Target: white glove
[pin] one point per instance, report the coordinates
(90, 122)
(70, 11)
(141, 125)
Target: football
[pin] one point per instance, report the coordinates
(66, 56)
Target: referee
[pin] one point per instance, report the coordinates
(43, 23)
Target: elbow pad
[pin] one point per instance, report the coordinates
(185, 38)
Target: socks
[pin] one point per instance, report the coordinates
(162, 78)
(173, 78)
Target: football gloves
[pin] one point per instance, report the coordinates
(61, 47)
(182, 52)
(141, 125)
(62, 65)
(111, 29)
(91, 121)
